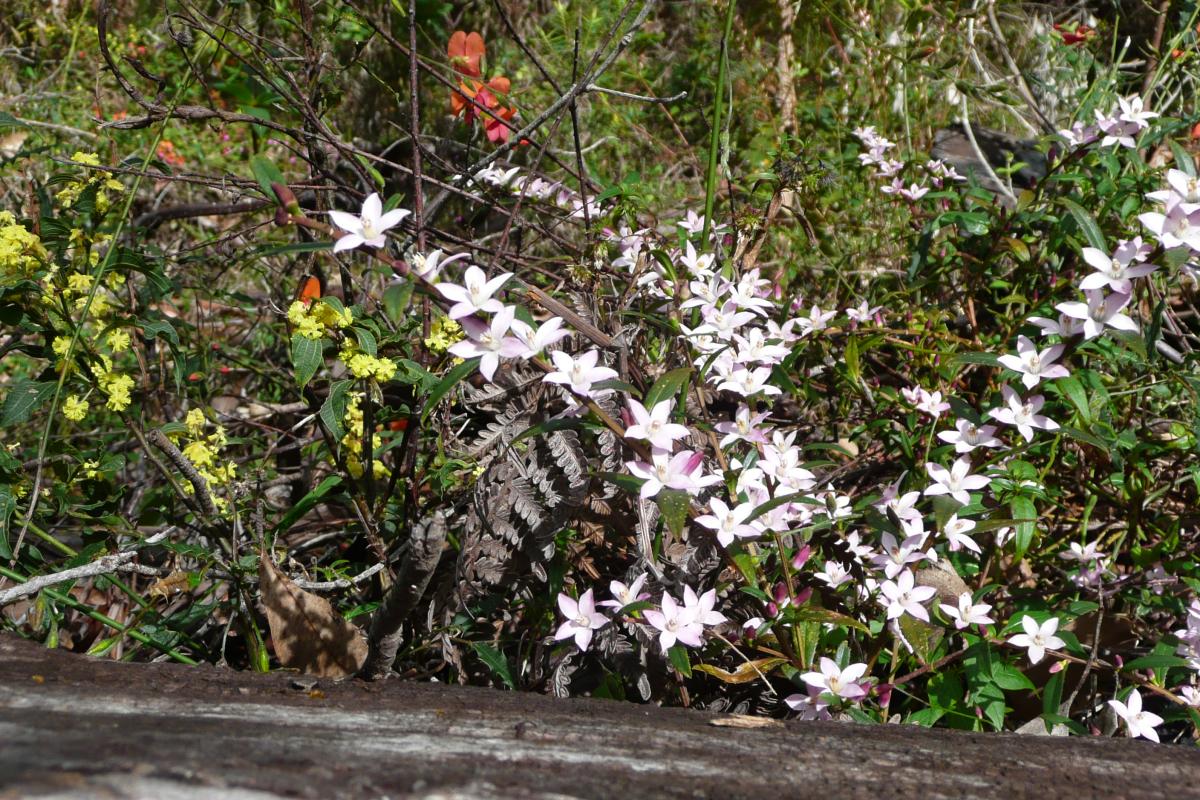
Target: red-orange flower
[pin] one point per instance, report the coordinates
(466, 51)
(1076, 35)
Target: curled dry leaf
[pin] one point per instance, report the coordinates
(309, 635)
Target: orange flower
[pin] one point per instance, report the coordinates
(1078, 35)
(465, 52)
(495, 128)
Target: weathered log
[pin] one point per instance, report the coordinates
(73, 727)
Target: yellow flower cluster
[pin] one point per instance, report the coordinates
(75, 408)
(311, 320)
(103, 183)
(203, 452)
(21, 252)
(116, 387)
(353, 442)
(443, 334)
(362, 365)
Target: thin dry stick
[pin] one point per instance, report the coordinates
(117, 562)
(168, 448)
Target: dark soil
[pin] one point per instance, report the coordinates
(75, 727)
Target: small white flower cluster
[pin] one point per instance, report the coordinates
(553, 192)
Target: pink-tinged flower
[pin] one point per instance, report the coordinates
(1182, 187)
(966, 436)
(1178, 225)
(1137, 722)
(368, 227)
(956, 481)
(1190, 695)
(706, 294)
(694, 223)
(702, 606)
(904, 506)
(1033, 365)
(749, 382)
(1117, 271)
(957, 533)
(904, 597)
(744, 428)
(582, 619)
(729, 523)
(1064, 326)
(817, 320)
(930, 403)
(810, 706)
(834, 574)
(724, 321)
(655, 426)
(489, 341)
(1082, 553)
(863, 313)
(675, 624)
(1098, 312)
(698, 265)
(580, 373)
(537, 340)
(1080, 134)
(623, 595)
(967, 612)
(755, 349)
(1037, 639)
(1120, 126)
(1023, 414)
(427, 266)
(680, 471)
(897, 555)
(837, 681)
(475, 293)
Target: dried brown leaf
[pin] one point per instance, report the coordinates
(309, 635)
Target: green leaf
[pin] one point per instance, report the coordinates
(153, 329)
(1010, 678)
(307, 357)
(680, 660)
(923, 637)
(23, 399)
(366, 341)
(984, 359)
(1087, 225)
(1052, 694)
(446, 384)
(396, 298)
(266, 173)
(551, 425)
(1024, 512)
(333, 410)
(623, 481)
(674, 505)
(667, 386)
(1072, 389)
(8, 504)
(811, 613)
(1156, 662)
(495, 661)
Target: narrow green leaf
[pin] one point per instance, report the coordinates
(1025, 514)
(495, 661)
(1072, 389)
(266, 173)
(1087, 225)
(666, 386)
(446, 385)
(1156, 662)
(680, 660)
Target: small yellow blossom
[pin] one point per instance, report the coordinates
(118, 341)
(200, 454)
(195, 422)
(61, 345)
(79, 282)
(87, 159)
(118, 388)
(21, 252)
(91, 470)
(443, 333)
(75, 408)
